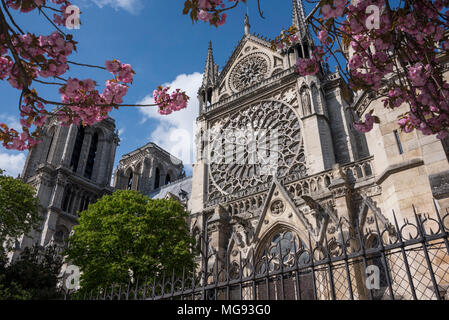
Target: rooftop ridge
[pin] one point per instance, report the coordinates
(149, 145)
(171, 184)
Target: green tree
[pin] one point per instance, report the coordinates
(34, 275)
(18, 209)
(127, 236)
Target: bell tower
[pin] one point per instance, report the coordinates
(70, 169)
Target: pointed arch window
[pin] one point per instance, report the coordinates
(168, 179)
(52, 133)
(76, 154)
(130, 180)
(91, 157)
(61, 235)
(66, 199)
(157, 180)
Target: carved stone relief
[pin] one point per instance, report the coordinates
(251, 70)
(277, 207)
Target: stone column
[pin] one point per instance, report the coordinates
(84, 153)
(199, 182)
(136, 180)
(58, 192)
(342, 196)
(100, 162)
(145, 181)
(49, 227)
(44, 148)
(51, 217)
(106, 175)
(218, 231)
(69, 144)
(77, 203)
(318, 140)
(59, 141)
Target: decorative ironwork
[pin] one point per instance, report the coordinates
(412, 260)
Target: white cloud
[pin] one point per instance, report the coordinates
(12, 164)
(12, 122)
(175, 132)
(132, 6)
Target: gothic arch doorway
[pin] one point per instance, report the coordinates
(280, 250)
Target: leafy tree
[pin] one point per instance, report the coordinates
(18, 209)
(127, 236)
(33, 276)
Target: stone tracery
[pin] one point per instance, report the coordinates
(249, 71)
(250, 146)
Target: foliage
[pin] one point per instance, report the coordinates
(127, 236)
(27, 59)
(33, 276)
(18, 209)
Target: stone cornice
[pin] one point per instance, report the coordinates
(395, 168)
(286, 77)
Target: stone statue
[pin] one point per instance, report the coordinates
(306, 104)
(243, 229)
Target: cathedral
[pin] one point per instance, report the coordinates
(277, 157)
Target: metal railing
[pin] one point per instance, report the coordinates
(396, 262)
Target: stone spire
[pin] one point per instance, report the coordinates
(247, 25)
(299, 17)
(210, 70)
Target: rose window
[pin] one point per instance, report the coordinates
(248, 72)
(251, 146)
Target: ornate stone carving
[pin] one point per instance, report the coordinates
(331, 229)
(277, 207)
(243, 229)
(253, 144)
(249, 71)
(370, 220)
(306, 103)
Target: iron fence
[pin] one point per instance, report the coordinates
(397, 262)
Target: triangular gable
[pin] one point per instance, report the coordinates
(258, 46)
(238, 49)
(306, 229)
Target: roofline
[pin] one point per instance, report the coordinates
(170, 185)
(237, 49)
(148, 146)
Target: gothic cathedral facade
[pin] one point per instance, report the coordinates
(328, 178)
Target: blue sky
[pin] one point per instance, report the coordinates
(162, 45)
